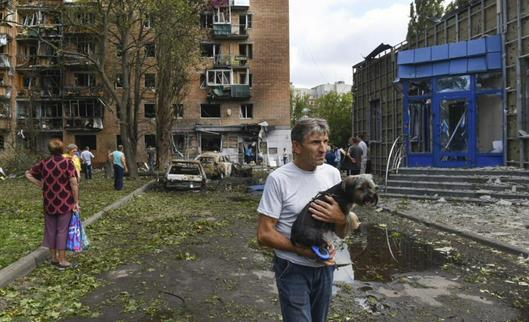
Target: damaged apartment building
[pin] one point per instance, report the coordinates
(238, 99)
(456, 96)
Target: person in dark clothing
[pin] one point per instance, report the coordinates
(330, 157)
(354, 157)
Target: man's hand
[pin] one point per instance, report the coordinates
(327, 211)
(332, 251)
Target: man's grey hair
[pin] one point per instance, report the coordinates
(307, 126)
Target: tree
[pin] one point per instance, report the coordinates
(423, 15)
(337, 110)
(456, 5)
(177, 32)
(299, 106)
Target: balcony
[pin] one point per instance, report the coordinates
(50, 124)
(229, 92)
(229, 31)
(89, 124)
(34, 61)
(78, 91)
(5, 62)
(230, 61)
(5, 92)
(240, 4)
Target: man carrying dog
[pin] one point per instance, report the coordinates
(304, 282)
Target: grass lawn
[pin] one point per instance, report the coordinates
(149, 224)
(21, 211)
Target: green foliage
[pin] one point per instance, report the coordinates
(423, 14)
(18, 159)
(337, 110)
(152, 223)
(21, 212)
(456, 5)
(299, 106)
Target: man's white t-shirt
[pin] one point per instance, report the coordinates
(286, 192)
(364, 148)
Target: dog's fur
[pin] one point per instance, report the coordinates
(360, 190)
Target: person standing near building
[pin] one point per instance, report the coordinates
(365, 153)
(120, 166)
(71, 153)
(337, 157)
(87, 157)
(304, 282)
(285, 156)
(151, 158)
(57, 178)
(354, 156)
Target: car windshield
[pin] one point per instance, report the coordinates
(183, 168)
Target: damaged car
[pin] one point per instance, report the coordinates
(215, 164)
(185, 175)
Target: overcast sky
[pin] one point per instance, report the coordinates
(327, 37)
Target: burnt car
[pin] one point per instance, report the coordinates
(185, 174)
(215, 164)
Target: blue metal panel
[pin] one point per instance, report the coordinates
(476, 47)
(441, 68)
(418, 160)
(489, 160)
(458, 66)
(423, 55)
(457, 49)
(493, 43)
(440, 52)
(423, 70)
(494, 60)
(406, 57)
(406, 71)
(477, 64)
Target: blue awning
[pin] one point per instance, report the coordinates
(471, 56)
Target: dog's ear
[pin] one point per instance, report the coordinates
(349, 184)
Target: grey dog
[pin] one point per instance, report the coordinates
(360, 190)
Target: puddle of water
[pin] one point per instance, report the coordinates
(374, 260)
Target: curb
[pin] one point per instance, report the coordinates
(514, 250)
(28, 263)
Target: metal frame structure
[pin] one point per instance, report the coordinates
(374, 78)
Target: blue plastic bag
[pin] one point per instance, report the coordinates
(74, 242)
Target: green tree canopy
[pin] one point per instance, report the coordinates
(423, 15)
(337, 110)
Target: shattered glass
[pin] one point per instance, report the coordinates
(454, 119)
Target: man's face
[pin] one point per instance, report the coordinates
(312, 151)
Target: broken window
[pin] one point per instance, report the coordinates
(246, 111)
(150, 140)
(149, 110)
(222, 15)
(420, 87)
(209, 110)
(489, 124)
(210, 142)
(150, 50)
(245, 23)
(84, 79)
(209, 49)
(119, 80)
(85, 47)
(150, 80)
(218, 77)
(83, 141)
(179, 111)
(487, 81)
(206, 20)
(375, 120)
(202, 80)
(5, 109)
(148, 21)
(453, 84)
(453, 123)
(246, 50)
(420, 126)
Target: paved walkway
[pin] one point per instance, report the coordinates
(501, 221)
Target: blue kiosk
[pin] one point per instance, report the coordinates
(453, 110)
